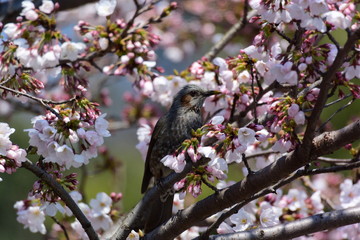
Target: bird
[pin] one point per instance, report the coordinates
(169, 132)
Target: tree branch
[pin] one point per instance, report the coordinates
(134, 218)
(210, 55)
(252, 184)
(324, 88)
(297, 228)
(64, 195)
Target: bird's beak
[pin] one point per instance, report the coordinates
(210, 93)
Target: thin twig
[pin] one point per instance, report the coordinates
(229, 35)
(208, 184)
(43, 102)
(333, 40)
(307, 183)
(254, 96)
(258, 97)
(62, 227)
(336, 112)
(283, 35)
(266, 152)
(233, 107)
(64, 195)
(244, 159)
(84, 177)
(331, 103)
(7, 79)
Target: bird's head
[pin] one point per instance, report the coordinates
(191, 97)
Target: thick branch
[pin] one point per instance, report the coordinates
(252, 184)
(134, 219)
(64, 195)
(315, 223)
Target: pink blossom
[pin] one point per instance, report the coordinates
(5, 144)
(176, 163)
(196, 69)
(94, 138)
(244, 77)
(293, 110)
(193, 156)
(101, 126)
(217, 120)
(208, 152)
(300, 118)
(221, 63)
(235, 155)
(281, 146)
(338, 19)
(262, 135)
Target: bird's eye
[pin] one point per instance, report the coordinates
(194, 93)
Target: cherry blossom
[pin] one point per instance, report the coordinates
(242, 220)
(246, 136)
(105, 8)
(349, 195)
(47, 6)
(270, 216)
(71, 50)
(32, 218)
(133, 236)
(101, 204)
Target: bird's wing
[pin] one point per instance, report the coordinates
(159, 128)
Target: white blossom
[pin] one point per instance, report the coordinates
(11, 30)
(246, 136)
(47, 6)
(242, 220)
(133, 236)
(32, 218)
(101, 126)
(102, 203)
(105, 8)
(71, 50)
(103, 43)
(270, 216)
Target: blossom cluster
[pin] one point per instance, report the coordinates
(278, 208)
(35, 44)
(101, 212)
(56, 138)
(135, 53)
(11, 155)
(313, 15)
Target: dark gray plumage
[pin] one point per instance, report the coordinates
(169, 132)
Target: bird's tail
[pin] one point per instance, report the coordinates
(159, 212)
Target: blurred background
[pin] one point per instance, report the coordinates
(186, 35)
